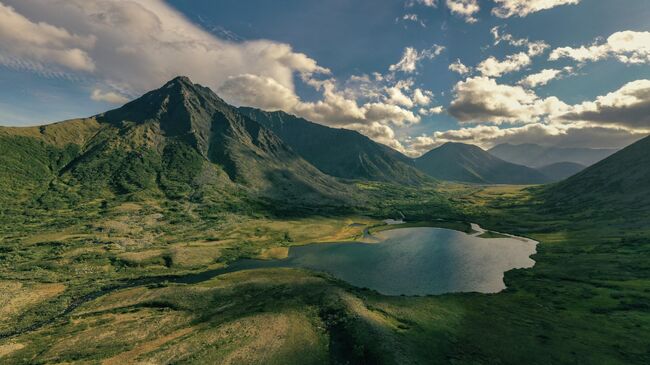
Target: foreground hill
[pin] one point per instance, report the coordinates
(469, 163)
(560, 170)
(339, 152)
(181, 140)
(619, 183)
(534, 155)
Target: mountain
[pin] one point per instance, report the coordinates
(619, 183)
(534, 155)
(339, 152)
(469, 163)
(560, 170)
(181, 140)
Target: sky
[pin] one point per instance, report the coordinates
(412, 74)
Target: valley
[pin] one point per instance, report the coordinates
(117, 233)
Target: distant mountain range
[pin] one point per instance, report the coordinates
(469, 163)
(183, 141)
(339, 152)
(534, 155)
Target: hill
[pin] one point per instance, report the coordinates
(181, 140)
(620, 183)
(339, 152)
(469, 163)
(534, 155)
(560, 170)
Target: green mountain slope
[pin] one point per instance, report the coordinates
(534, 155)
(181, 140)
(618, 184)
(560, 170)
(468, 163)
(339, 152)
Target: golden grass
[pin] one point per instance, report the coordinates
(16, 297)
(10, 347)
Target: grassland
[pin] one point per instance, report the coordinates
(585, 301)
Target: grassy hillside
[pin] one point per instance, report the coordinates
(339, 152)
(620, 184)
(178, 142)
(468, 163)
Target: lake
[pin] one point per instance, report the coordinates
(413, 261)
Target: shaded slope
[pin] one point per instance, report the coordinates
(468, 163)
(534, 155)
(617, 184)
(339, 152)
(560, 170)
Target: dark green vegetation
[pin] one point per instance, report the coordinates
(560, 170)
(468, 163)
(339, 152)
(534, 155)
(94, 203)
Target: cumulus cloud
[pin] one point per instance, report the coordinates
(487, 137)
(459, 68)
(108, 97)
(464, 8)
(482, 99)
(628, 106)
(521, 8)
(134, 46)
(493, 67)
(397, 97)
(263, 92)
(129, 47)
(540, 78)
(626, 46)
(431, 111)
(411, 57)
(421, 97)
(43, 42)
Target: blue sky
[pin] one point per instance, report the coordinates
(330, 61)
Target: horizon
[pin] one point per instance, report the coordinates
(484, 74)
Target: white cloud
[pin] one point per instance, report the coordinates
(431, 111)
(627, 46)
(43, 42)
(397, 97)
(540, 78)
(521, 8)
(482, 99)
(411, 57)
(464, 8)
(429, 3)
(414, 18)
(459, 68)
(552, 135)
(421, 97)
(134, 46)
(495, 68)
(108, 96)
(262, 92)
(535, 48)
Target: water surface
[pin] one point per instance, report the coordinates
(413, 261)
